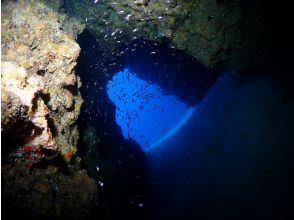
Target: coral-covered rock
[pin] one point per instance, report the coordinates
(38, 73)
(40, 106)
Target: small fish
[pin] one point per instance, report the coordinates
(128, 17)
(153, 52)
(135, 30)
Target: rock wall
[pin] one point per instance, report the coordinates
(40, 106)
(222, 34)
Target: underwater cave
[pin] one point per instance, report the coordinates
(145, 96)
(146, 109)
(177, 133)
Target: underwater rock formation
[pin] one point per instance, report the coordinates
(49, 193)
(219, 33)
(90, 137)
(40, 106)
(91, 157)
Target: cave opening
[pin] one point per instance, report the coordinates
(143, 112)
(165, 81)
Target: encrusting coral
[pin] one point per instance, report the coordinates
(40, 106)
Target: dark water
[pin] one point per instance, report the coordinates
(232, 158)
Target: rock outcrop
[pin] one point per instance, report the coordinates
(221, 34)
(40, 106)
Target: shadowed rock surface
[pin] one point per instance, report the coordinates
(237, 35)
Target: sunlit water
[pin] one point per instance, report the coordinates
(144, 113)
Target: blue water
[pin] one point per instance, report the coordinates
(232, 160)
(144, 113)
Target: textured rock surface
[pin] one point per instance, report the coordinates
(38, 72)
(219, 33)
(49, 193)
(40, 105)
